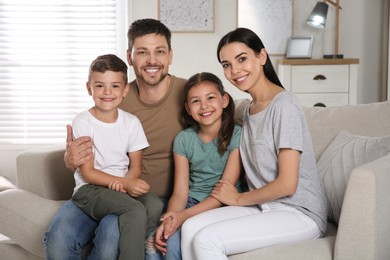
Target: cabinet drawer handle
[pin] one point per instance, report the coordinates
(319, 104)
(319, 77)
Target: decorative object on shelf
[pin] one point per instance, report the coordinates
(317, 19)
(299, 47)
(187, 15)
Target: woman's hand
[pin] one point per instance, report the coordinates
(226, 193)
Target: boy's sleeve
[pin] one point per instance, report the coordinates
(137, 140)
(80, 127)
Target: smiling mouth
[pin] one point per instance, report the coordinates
(152, 70)
(241, 79)
(107, 99)
(206, 114)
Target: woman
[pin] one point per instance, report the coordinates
(284, 203)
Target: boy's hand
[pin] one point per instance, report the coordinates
(136, 187)
(117, 186)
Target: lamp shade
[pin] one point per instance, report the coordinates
(317, 18)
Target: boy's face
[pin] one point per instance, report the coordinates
(107, 89)
(150, 58)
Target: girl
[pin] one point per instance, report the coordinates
(204, 153)
(284, 202)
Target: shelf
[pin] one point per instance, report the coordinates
(317, 61)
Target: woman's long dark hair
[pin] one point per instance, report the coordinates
(250, 39)
(227, 127)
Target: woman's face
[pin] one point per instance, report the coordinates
(241, 65)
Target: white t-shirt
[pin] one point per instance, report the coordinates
(111, 142)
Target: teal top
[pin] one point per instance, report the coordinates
(206, 164)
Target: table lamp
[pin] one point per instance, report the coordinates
(317, 19)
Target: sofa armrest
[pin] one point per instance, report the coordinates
(25, 217)
(42, 171)
(364, 226)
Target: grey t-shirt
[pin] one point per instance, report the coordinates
(282, 125)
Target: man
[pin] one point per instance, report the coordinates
(155, 98)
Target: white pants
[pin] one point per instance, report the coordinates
(230, 230)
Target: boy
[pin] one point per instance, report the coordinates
(109, 183)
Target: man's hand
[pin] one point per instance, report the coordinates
(77, 151)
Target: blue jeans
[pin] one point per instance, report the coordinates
(71, 232)
(173, 242)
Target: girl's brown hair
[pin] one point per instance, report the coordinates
(227, 127)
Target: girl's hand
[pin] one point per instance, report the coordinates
(226, 193)
(174, 221)
(117, 186)
(161, 238)
(170, 222)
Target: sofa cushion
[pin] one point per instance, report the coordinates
(5, 184)
(325, 123)
(346, 152)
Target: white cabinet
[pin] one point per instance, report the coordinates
(324, 82)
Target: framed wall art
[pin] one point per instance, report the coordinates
(187, 15)
(271, 20)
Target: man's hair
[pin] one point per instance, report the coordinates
(108, 62)
(146, 26)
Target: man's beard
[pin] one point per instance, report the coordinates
(152, 81)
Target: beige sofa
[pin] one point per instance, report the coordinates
(363, 231)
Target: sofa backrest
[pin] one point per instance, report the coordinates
(42, 171)
(371, 119)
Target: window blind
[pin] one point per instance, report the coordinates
(46, 47)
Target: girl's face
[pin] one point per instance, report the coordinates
(241, 65)
(107, 90)
(205, 103)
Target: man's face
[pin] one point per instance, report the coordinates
(150, 58)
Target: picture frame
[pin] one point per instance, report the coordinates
(187, 15)
(300, 47)
(271, 20)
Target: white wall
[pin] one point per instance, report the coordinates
(8, 155)
(360, 37)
